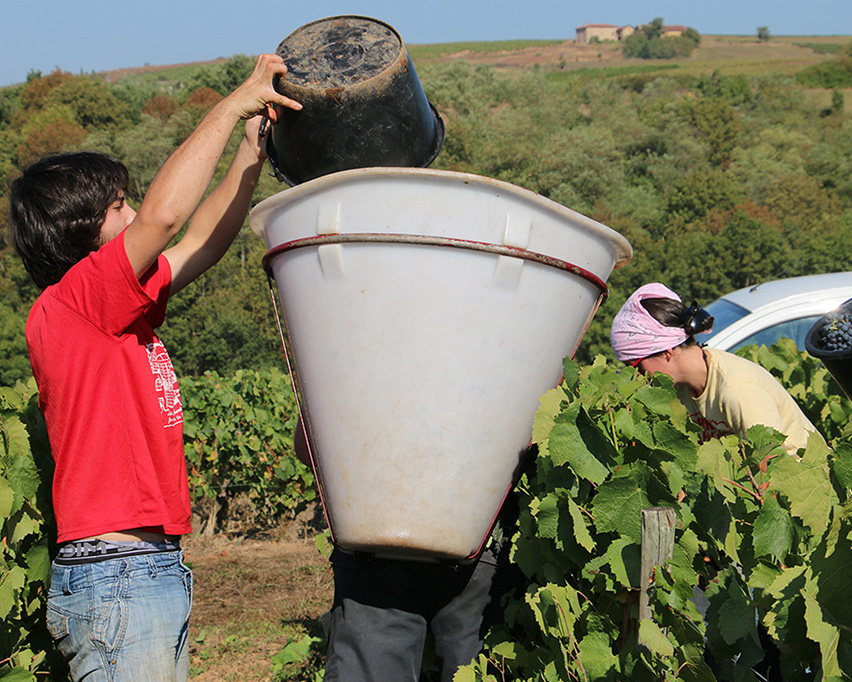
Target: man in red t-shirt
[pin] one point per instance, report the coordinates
(120, 595)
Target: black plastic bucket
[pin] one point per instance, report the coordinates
(363, 104)
(837, 362)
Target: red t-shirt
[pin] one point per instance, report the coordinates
(110, 398)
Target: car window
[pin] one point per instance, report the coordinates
(724, 315)
(792, 329)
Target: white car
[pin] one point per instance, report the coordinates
(763, 313)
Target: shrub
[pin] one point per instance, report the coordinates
(26, 648)
(238, 435)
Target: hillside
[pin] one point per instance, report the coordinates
(730, 54)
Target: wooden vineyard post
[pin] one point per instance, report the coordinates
(658, 532)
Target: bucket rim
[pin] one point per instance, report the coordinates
(334, 17)
(258, 215)
(811, 338)
(289, 88)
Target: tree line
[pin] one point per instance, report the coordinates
(718, 181)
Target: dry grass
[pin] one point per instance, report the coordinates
(251, 597)
(727, 55)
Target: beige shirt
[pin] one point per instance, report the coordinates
(740, 394)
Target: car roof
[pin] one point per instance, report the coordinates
(808, 287)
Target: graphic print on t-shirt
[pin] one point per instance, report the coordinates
(712, 429)
(165, 383)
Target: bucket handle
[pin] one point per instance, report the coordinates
(297, 392)
(427, 240)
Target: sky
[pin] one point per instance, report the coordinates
(96, 35)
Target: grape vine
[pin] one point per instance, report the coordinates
(767, 537)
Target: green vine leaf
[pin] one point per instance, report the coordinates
(806, 485)
(546, 513)
(567, 446)
(595, 652)
(549, 406)
(662, 401)
(625, 559)
(18, 675)
(826, 635)
(654, 638)
(773, 530)
(581, 530)
(619, 503)
(13, 580)
(842, 464)
(833, 578)
(737, 613)
(7, 499)
(675, 442)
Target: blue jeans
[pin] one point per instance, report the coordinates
(124, 619)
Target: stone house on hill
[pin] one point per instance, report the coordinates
(673, 31)
(603, 32)
(588, 32)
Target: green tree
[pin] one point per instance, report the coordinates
(223, 77)
(648, 42)
(833, 74)
(763, 34)
(92, 101)
(810, 216)
(10, 102)
(718, 125)
(773, 152)
(699, 192)
(13, 347)
(17, 294)
(49, 130)
(736, 88)
(144, 149)
(750, 249)
(692, 36)
(664, 159)
(38, 88)
(636, 46)
(225, 318)
(654, 29)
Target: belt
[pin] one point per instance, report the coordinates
(88, 551)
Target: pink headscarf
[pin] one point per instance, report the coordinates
(636, 333)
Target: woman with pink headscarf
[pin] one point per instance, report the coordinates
(724, 393)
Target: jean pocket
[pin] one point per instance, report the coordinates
(57, 622)
(187, 583)
(110, 623)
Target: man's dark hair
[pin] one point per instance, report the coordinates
(57, 208)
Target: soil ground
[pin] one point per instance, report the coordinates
(251, 597)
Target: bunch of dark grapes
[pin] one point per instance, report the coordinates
(836, 333)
